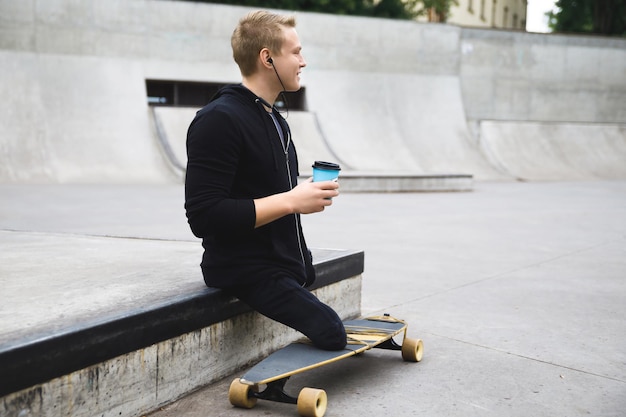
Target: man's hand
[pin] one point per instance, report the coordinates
(307, 197)
(312, 197)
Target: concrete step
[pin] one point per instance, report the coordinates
(392, 182)
(136, 359)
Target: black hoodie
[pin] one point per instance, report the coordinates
(234, 155)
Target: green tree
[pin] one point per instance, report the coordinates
(605, 17)
(436, 10)
(397, 9)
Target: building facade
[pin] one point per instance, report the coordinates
(500, 14)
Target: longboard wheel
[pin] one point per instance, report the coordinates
(412, 350)
(238, 394)
(312, 402)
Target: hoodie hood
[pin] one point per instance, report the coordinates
(246, 97)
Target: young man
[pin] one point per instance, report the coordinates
(241, 191)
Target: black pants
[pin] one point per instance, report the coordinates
(284, 300)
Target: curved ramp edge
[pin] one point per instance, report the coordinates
(544, 151)
(391, 122)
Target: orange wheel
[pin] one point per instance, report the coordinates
(412, 350)
(238, 394)
(312, 402)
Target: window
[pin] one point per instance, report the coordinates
(180, 93)
(197, 94)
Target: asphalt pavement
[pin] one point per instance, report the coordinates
(517, 289)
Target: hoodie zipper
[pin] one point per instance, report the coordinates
(295, 216)
(285, 142)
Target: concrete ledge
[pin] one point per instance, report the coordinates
(380, 182)
(135, 361)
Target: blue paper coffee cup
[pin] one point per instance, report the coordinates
(325, 171)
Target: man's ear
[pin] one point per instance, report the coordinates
(266, 57)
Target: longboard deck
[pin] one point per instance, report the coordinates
(363, 334)
(275, 370)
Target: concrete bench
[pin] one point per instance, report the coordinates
(137, 360)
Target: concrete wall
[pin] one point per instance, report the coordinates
(546, 107)
(386, 95)
(542, 78)
(72, 75)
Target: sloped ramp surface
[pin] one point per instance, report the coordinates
(385, 122)
(73, 119)
(171, 125)
(310, 142)
(555, 151)
(173, 122)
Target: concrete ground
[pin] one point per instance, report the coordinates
(517, 289)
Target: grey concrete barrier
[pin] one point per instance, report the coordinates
(136, 360)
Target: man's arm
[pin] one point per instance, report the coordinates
(213, 149)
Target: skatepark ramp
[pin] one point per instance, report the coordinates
(386, 122)
(397, 100)
(401, 105)
(557, 151)
(171, 124)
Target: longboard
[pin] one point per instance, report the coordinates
(274, 371)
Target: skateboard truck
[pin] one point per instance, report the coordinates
(389, 345)
(311, 402)
(274, 391)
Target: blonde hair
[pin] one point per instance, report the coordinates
(258, 30)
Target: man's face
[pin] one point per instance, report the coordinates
(290, 62)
